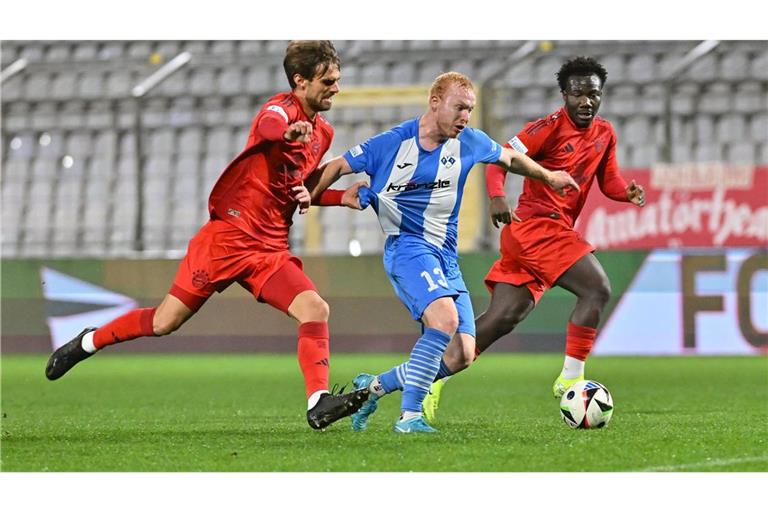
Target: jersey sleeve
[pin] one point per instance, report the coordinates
(608, 177)
(485, 149)
(530, 139)
(367, 157)
(495, 176)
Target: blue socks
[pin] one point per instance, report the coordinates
(394, 379)
(423, 367)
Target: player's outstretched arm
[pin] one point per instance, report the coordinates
(519, 163)
(325, 176)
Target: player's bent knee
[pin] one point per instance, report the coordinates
(309, 307)
(165, 326)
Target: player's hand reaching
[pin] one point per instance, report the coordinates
(300, 131)
(301, 195)
(351, 196)
(636, 194)
(501, 212)
(560, 180)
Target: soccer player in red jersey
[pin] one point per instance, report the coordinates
(539, 247)
(246, 238)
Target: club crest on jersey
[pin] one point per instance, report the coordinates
(448, 160)
(315, 147)
(599, 144)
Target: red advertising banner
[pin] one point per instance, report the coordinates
(688, 205)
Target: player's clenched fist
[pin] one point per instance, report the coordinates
(501, 212)
(301, 195)
(636, 194)
(351, 196)
(300, 131)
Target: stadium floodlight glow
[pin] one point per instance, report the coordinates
(354, 248)
(44, 139)
(67, 162)
(16, 143)
(161, 74)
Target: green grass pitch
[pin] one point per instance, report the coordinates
(118, 412)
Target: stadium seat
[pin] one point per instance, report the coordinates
(750, 97)
(759, 67)
(37, 86)
(78, 144)
(202, 82)
(15, 117)
(681, 153)
(685, 99)
(716, 98)
(119, 84)
(139, 50)
(641, 68)
(64, 85)
(731, 128)
(621, 100)
(758, 128)
(643, 156)
(72, 115)
(704, 128)
(708, 151)
(183, 112)
(99, 115)
(374, 74)
(741, 153)
(230, 81)
(162, 142)
(240, 113)
(734, 66)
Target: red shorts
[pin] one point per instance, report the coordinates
(220, 254)
(535, 253)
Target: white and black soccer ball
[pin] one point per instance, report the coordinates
(586, 404)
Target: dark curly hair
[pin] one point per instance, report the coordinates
(309, 59)
(580, 66)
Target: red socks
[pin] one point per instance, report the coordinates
(314, 355)
(579, 340)
(134, 324)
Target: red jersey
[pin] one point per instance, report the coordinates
(557, 144)
(254, 192)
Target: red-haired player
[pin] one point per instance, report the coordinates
(246, 238)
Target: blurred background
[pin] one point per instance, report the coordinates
(110, 149)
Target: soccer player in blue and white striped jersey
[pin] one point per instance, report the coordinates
(417, 174)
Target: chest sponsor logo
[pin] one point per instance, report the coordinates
(406, 187)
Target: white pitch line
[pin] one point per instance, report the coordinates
(706, 463)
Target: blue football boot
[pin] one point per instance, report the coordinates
(413, 426)
(360, 418)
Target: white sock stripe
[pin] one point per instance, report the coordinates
(424, 372)
(418, 376)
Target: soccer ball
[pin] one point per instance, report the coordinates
(586, 404)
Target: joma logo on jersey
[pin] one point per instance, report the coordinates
(405, 187)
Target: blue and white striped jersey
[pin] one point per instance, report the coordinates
(415, 191)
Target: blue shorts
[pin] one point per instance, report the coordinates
(420, 274)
